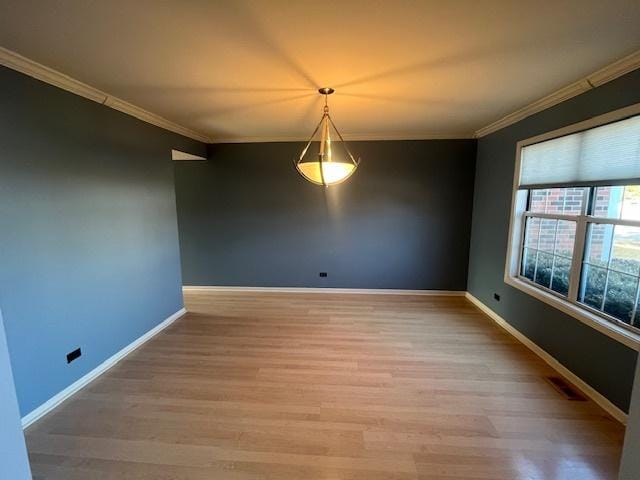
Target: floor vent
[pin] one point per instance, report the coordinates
(565, 389)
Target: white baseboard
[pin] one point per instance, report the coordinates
(359, 291)
(589, 391)
(57, 399)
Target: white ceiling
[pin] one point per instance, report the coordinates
(248, 70)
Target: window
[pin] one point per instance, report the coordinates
(575, 227)
(608, 277)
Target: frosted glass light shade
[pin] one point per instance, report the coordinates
(326, 173)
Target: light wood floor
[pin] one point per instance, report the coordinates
(332, 387)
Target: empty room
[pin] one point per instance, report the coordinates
(302, 240)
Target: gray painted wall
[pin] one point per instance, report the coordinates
(630, 463)
(88, 229)
(13, 453)
(247, 218)
(605, 364)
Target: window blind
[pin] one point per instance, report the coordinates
(605, 155)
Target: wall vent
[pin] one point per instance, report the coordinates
(565, 389)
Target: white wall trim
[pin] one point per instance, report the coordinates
(600, 77)
(60, 397)
(616, 69)
(606, 327)
(359, 291)
(53, 77)
(555, 98)
(48, 75)
(589, 391)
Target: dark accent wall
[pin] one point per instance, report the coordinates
(603, 363)
(89, 252)
(247, 218)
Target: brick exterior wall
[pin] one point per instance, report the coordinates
(566, 201)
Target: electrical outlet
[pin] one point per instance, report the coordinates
(323, 274)
(73, 355)
(496, 297)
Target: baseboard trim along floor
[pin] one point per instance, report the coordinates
(589, 391)
(60, 397)
(357, 291)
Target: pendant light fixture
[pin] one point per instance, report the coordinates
(333, 163)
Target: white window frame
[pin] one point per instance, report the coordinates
(590, 317)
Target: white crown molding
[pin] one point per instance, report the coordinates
(615, 70)
(355, 137)
(48, 75)
(153, 119)
(539, 105)
(600, 77)
(358, 291)
(587, 389)
(60, 397)
(351, 137)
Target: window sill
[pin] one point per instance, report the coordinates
(620, 334)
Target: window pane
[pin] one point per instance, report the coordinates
(599, 243)
(543, 269)
(532, 231)
(617, 202)
(547, 253)
(625, 254)
(560, 280)
(564, 201)
(614, 246)
(592, 287)
(565, 238)
(631, 203)
(547, 236)
(612, 270)
(621, 295)
(538, 201)
(528, 263)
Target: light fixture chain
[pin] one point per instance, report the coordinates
(304, 152)
(344, 144)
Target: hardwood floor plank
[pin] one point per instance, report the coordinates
(265, 386)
